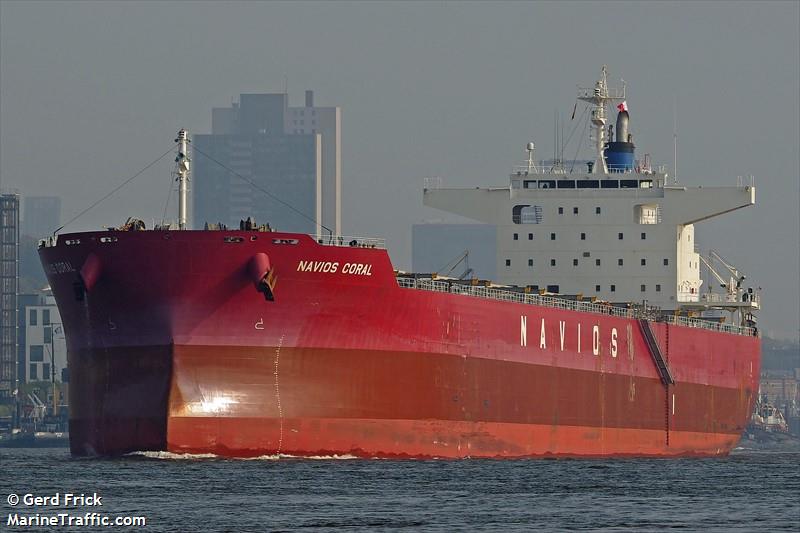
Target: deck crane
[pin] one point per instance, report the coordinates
(722, 283)
(39, 408)
(462, 258)
(733, 270)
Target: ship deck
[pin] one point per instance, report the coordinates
(518, 295)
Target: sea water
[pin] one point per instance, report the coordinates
(747, 491)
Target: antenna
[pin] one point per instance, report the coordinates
(530, 149)
(561, 141)
(675, 138)
(555, 136)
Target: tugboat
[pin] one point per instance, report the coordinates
(769, 418)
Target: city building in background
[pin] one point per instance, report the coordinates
(781, 388)
(45, 344)
(9, 255)
(294, 153)
(24, 300)
(41, 215)
(442, 248)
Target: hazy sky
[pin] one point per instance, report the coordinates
(91, 92)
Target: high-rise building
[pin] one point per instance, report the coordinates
(9, 253)
(41, 215)
(294, 153)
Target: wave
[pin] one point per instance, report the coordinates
(172, 456)
(205, 456)
(300, 457)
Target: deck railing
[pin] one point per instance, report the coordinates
(561, 303)
(350, 241)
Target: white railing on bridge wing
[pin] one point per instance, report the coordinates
(714, 297)
(350, 241)
(742, 181)
(720, 298)
(434, 182)
(531, 171)
(560, 303)
(688, 297)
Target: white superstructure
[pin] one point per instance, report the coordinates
(620, 232)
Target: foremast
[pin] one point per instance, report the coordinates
(182, 170)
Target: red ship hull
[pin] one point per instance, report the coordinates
(172, 347)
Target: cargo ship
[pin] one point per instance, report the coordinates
(597, 339)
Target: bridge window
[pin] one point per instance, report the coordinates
(647, 214)
(566, 184)
(629, 184)
(609, 184)
(552, 288)
(588, 184)
(526, 214)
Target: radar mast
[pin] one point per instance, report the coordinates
(600, 96)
